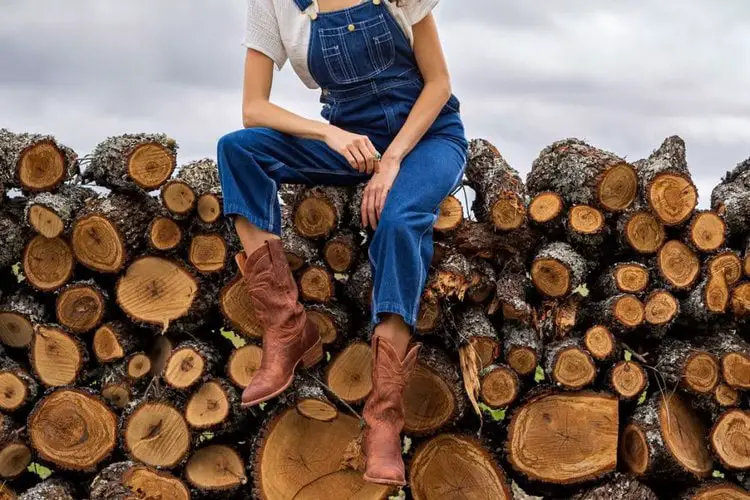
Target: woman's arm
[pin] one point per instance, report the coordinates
(258, 111)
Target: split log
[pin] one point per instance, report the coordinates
(108, 231)
(619, 313)
(729, 199)
(51, 214)
(113, 341)
(133, 162)
(164, 234)
(665, 439)
(49, 489)
(565, 438)
(126, 480)
(725, 263)
(340, 252)
(500, 386)
(706, 232)
(622, 277)
(740, 306)
(600, 343)
(80, 306)
(238, 312)
(568, 365)
(19, 313)
(349, 374)
(34, 162)
(628, 380)
(708, 300)
(15, 453)
(556, 319)
(666, 183)
(547, 210)
(473, 327)
(472, 467)
(18, 389)
(429, 317)
(316, 283)
(499, 188)
(56, 357)
(716, 490)
(453, 278)
(243, 363)
(661, 310)
(557, 270)
(320, 210)
(583, 174)
(620, 487)
(640, 231)
(190, 363)
(207, 252)
(216, 468)
(90, 430)
(677, 265)
(522, 348)
(48, 263)
(729, 438)
(693, 369)
(450, 215)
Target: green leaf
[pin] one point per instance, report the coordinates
(401, 495)
(407, 445)
(642, 399)
(40, 470)
(628, 355)
(328, 356)
(262, 406)
(582, 290)
(235, 339)
(17, 272)
(205, 436)
(718, 474)
(539, 374)
(496, 415)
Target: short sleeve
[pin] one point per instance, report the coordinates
(263, 33)
(416, 10)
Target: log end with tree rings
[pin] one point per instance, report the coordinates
(215, 468)
(17, 388)
(150, 165)
(117, 394)
(349, 374)
(156, 434)
(573, 368)
(310, 452)
(80, 307)
(551, 277)
(45, 221)
(15, 458)
(707, 231)
(730, 439)
(584, 219)
(600, 342)
(644, 233)
(98, 244)
(41, 167)
(746, 265)
(726, 396)
(628, 379)
(735, 368)
(661, 308)
(628, 311)
(546, 207)
(431, 398)
(339, 253)
(138, 366)
(16, 330)
(487, 348)
(235, 306)
(184, 368)
(701, 372)
(523, 360)
(178, 198)
(208, 252)
(451, 215)
(630, 277)
(156, 291)
(726, 264)
(47, 263)
(316, 284)
(564, 438)
(154, 484)
(473, 472)
(243, 363)
(672, 197)
(208, 208)
(6, 493)
(164, 234)
(73, 430)
(107, 344)
(315, 217)
(209, 406)
(428, 317)
(617, 187)
(718, 491)
(508, 212)
(56, 357)
(678, 264)
(716, 294)
(741, 300)
(500, 386)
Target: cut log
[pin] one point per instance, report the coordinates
(316, 283)
(216, 468)
(193, 181)
(641, 231)
(299, 250)
(746, 261)
(15, 453)
(127, 480)
(477, 239)
(474, 473)
(154, 431)
(620, 487)
(51, 214)
(189, 363)
(332, 320)
(664, 438)
(511, 295)
(18, 389)
(660, 311)
(133, 162)
(113, 341)
(740, 306)
(430, 314)
(208, 252)
(500, 386)
(729, 199)
(729, 439)
(349, 374)
(693, 369)
(600, 343)
(708, 300)
(721, 399)
(108, 231)
(90, 430)
(734, 355)
(49, 489)
(56, 358)
(34, 162)
(473, 327)
(484, 281)
(19, 313)
(666, 183)
(556, 319)
(121, 381)
(586, 228)
(620, 313)
(677, 265)
(726, 263)
(451, 215)
(359, 287)
(208, 208)
(706, 232)
(547, 210)
(164, 234)
(568, 365)
(557, 270)
(156, 291)
(583, 174)
(623, 277)
(628, 380)
(80, 306)
(308, 397)
(319, 210)
(500, 190)
(453, 277)
(238, 312)
(564, 438)
(243, 363)
(47, 263)
(214, 406)
(716, 490)
(522, 348)
(340, 252)
(14, 238)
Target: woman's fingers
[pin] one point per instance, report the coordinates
(365, 152)
(373, 153)
(350, 158)
(358, 157)
(363, 208)
(372, 211)
(382, 196)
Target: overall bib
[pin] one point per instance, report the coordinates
(369, 82)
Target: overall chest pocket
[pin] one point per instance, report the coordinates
(358, 51)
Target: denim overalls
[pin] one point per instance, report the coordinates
(370, 80)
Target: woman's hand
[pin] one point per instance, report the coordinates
(377, 191)
(357, 149)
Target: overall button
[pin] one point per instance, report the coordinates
(314, 16)
(351, 27)
(376, 2)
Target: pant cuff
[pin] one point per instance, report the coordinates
(263, 224)
(391, 308)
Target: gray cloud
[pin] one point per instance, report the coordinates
(622, 75)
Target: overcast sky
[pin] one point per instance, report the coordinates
(621, 75)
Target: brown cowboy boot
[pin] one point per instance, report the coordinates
(288, 337)
(384, 413)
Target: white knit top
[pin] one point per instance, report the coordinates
(280, 30)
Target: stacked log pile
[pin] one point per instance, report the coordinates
(585, 333)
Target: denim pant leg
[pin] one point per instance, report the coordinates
(401, 250)
(254, 161)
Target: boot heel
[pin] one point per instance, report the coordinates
(313, 356)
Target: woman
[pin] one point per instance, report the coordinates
(392, 123)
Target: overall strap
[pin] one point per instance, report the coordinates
(303, 5)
